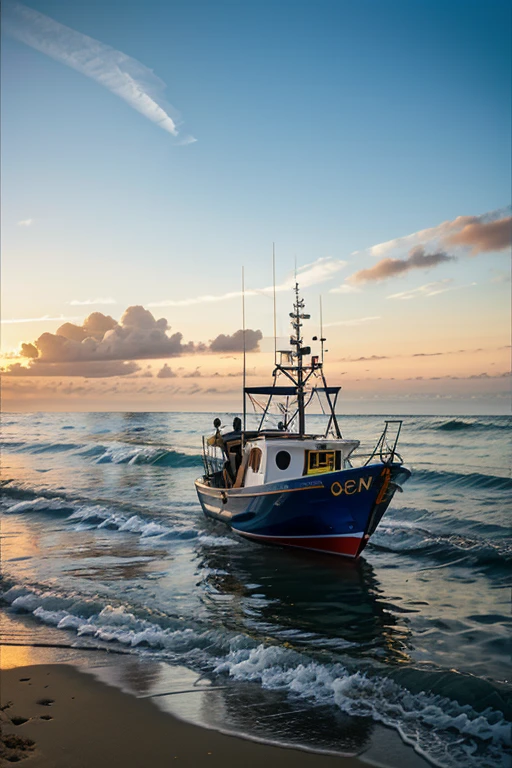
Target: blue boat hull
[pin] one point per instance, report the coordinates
(336, 512)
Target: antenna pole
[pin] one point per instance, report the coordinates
(274, 287)
(321, 330)
(297, 325)
(244, 355)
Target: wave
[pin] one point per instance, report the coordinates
(114, 453)
(412, 539)
(473, 480)
(6, 444)
(41, 504)
(89, 516)
(445, 731)
(137, 454)
(455, 425)
(49, 447)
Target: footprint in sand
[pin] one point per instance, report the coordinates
(46, 702)
(19, 720)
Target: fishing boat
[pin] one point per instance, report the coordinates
(276, 482)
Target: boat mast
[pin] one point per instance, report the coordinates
(244, 358)
(274, 297)
(297, 342)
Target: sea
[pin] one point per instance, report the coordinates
(106, 554)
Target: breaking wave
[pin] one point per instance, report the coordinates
(88, 516)
(439, 727)
(114, 453)
(96, 516)
(137, 454)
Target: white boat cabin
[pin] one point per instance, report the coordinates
(270, 460)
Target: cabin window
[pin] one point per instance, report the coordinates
(255, 459)
(321, 461)
(283, 459)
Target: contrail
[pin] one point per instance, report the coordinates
(114, 70)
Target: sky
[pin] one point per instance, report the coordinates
(151, 150)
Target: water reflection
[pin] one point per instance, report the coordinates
(273, 716)
(312, 600)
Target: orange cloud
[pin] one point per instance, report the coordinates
(386, 268)
(484, 236)
(91, 349)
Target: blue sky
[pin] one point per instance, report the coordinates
(326, 127)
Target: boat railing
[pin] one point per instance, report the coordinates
(212, 462)
(385, 449)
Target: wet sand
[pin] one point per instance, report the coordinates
(54, 716)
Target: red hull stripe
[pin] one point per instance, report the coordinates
(341, 544)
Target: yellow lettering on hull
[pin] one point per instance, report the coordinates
(351, 486)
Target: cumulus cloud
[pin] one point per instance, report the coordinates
(483, 236)
(122, 75)
(235, 342)
(25, 223)
(307, 275)
(165, 373)
(100, 338)
(386, 268)
(29, 350)
(137, 336)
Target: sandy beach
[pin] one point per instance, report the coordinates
(54, 716)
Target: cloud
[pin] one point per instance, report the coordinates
(165, 373)
(483, 236)
(354, 322)
(314, 273)
(138, 335)
(439, 232)
(120, 74)
(386, 268)
(373, 358)
(44, 319)
(91, 302)
(88, 369)
(29, 350)
(25, 223)
(430, 289)
(195, 374)
(235, 342)
(100, 338)
(345, 288)
(308, 275)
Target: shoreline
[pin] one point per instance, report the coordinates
(65, 718)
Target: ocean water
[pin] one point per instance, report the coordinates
(104, 546)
